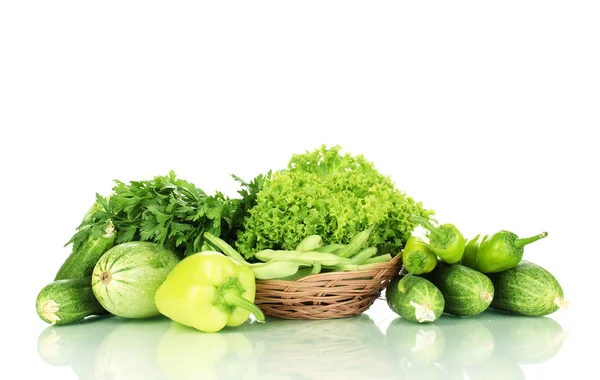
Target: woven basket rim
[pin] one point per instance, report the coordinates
(375, 267)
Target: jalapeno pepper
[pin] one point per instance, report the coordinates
(498, 252)
(208, 291)
(446, 241)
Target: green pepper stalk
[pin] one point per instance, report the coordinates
(446, 241)
(208, 291)
(498, 252)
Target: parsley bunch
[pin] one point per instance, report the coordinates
(169, 211)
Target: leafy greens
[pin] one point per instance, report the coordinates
(332, 195)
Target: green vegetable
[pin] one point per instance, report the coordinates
(417, 344)
(331, 248)
(127, 276)
(83, 257)
(414, 298)
(262, 271)
(308, 258)
(527, 289)
(310, 243)
(418, 257)
(524, 339)
(363, 256)
(357, 242)
(67, 301)
(498, 252)
(331, 195)
(446, 241)
(466, 291)
(209, 291)
(170, 212)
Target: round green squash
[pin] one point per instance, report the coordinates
(127, 276)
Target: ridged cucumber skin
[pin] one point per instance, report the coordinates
(81, 262)
(64, 302)
(466, 291)
(126, 277)
(527, 289)
(417, 291)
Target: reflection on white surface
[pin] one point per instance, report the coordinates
(489, 346)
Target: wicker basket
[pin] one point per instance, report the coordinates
(326, 295)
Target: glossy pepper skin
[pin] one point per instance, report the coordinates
(417, 256)
(498, 252)
(208, 291)
(446, 241)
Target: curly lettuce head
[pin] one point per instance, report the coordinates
(332, 195)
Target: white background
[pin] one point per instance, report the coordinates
(486, 112)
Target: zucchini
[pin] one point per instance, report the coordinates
(126, 278)
(527, 289)
(414, 298)
(466, 291)
(81, 261)
(67, 301)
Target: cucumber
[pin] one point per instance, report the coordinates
(127, 276)
(414, 298)
(466, 291)
(67, 301)
(81, 261)
(527, 289)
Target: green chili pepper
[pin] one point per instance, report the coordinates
(498, 252)
(417, 256)
(208, 291)
(446, 241)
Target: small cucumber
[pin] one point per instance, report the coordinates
(527, 289)
(67, 301)
(81, 261)
(415, 298)
(466, 291)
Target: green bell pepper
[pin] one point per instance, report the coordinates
(208, 291)
(417, 256)
(496, 253)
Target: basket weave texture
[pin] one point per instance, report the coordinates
(326, 295)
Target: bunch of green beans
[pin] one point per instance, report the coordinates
(309, 257)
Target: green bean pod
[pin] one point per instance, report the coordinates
(310, 243)
(326, 259)
(331, 248)
(356, 243)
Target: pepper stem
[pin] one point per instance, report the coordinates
(236, 300)
(229, 296)
(425, 223)
(522, 242)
